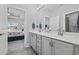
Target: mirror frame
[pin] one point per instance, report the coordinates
(69, 33)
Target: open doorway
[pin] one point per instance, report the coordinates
(15, 30)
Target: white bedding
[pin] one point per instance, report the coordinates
(12, 33)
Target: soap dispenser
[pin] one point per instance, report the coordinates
(40, 27)
(33, 25)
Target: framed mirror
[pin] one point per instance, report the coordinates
(72, 22)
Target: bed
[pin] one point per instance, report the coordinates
(14, 35)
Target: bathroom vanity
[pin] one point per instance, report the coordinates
(52, 44)
(61, 37)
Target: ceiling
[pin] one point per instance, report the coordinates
(47, 8)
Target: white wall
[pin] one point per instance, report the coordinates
(3, 29)
(64, 9)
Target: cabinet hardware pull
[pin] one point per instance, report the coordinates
(51, 44)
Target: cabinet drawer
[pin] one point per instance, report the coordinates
(38, 37)
(38, 45)
(39, 42)
(46, 48)
(33, 35)
(33, 40)
(39, 50)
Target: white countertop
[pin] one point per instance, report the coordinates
(66, 38)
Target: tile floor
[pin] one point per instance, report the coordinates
(17, 48)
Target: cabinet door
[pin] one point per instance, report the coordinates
(76, 50)
(62, 48)
(52, 45)
(33, 41)
(30, 37)
(46, 48)
(39, 44)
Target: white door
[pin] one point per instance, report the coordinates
(3, 29)
(3, 44)
(62, 48)
(46, 48)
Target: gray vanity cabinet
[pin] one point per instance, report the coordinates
(44, 45)
(39, 44)
(55, 47)
(76, 50)
(33, 41)
(46, 48)
(62, 48)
